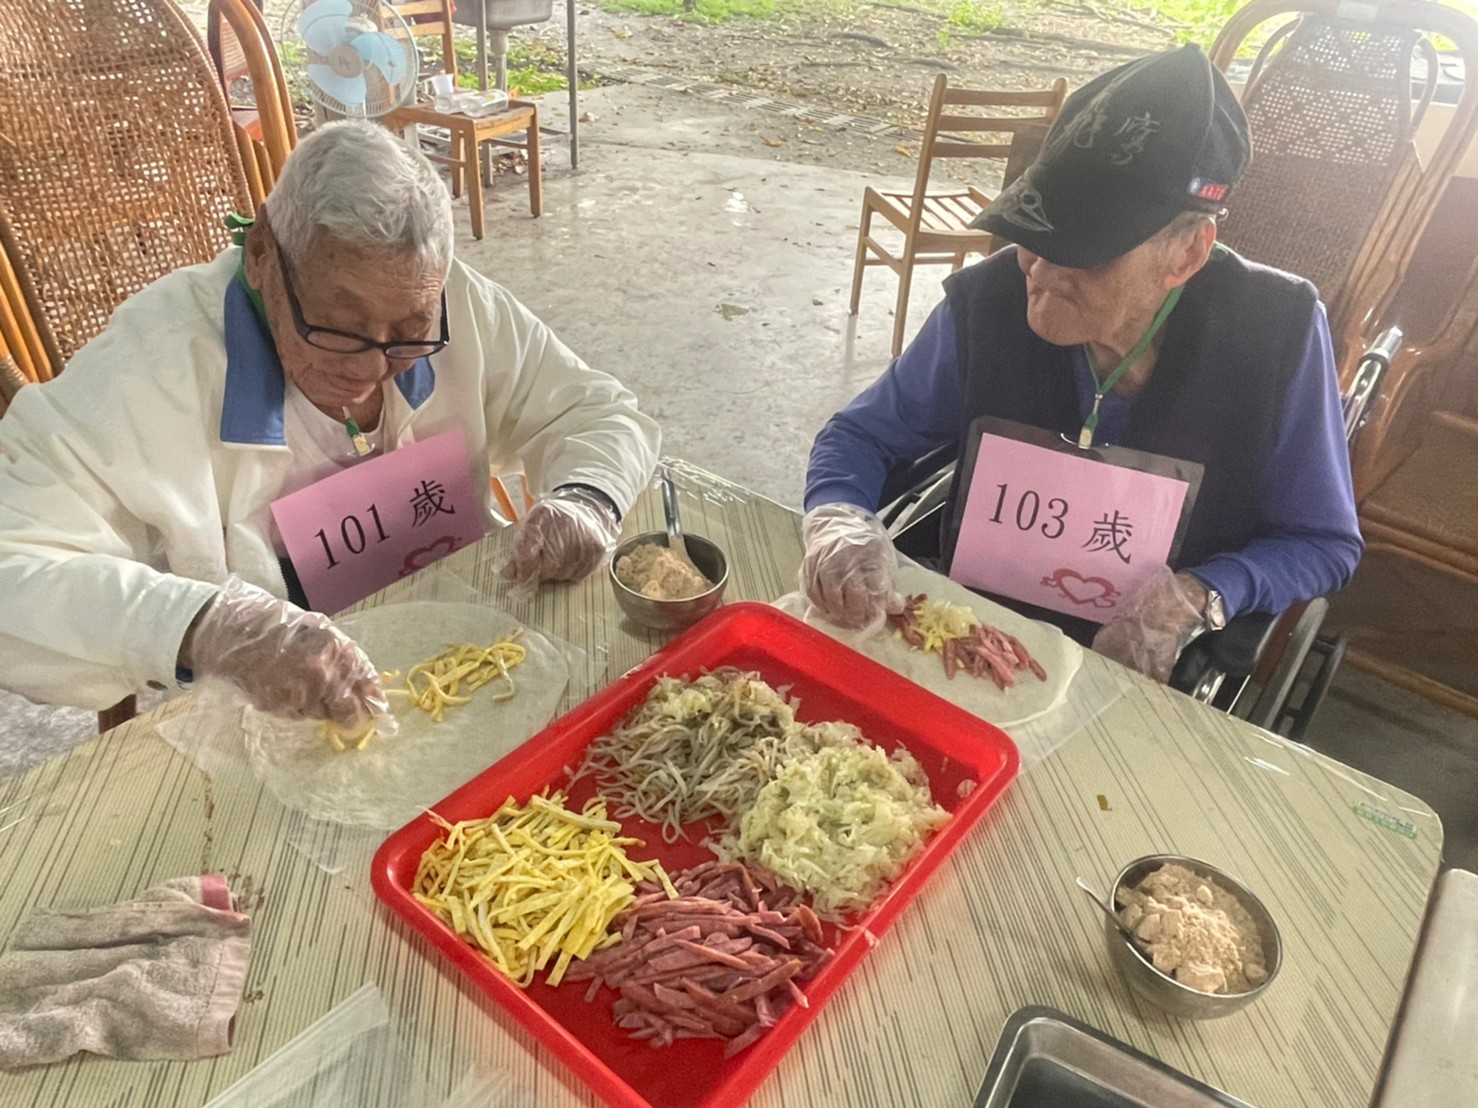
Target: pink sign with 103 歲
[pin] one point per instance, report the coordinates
(1061, 530)
(367, 527)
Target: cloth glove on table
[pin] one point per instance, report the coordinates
(159, 977)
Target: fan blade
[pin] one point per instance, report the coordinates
(385, 53)
(322, 24)
(349, 91)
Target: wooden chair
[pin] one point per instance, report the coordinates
(1411, 614)
(936, 225)
(108, 184)
(468, 134)
(1336, 192)
(243, 52)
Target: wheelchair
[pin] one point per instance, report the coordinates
(1272, 670)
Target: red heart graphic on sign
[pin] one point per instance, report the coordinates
(1097, 591)
(420, 559)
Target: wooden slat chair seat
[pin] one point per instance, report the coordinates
(433, 18)
(935, 223)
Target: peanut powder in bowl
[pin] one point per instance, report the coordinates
(1204, 945)
(658, 574)
(1193, 930)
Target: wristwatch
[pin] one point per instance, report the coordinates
(1214, 615)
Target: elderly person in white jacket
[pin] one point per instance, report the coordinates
(137, 545)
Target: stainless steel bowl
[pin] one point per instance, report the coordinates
(1166, 992)
(672, 615)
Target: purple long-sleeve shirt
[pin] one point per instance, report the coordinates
(1311, 544)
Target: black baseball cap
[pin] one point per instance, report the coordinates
(1129, 151)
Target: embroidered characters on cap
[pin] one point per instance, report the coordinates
(1131, 136)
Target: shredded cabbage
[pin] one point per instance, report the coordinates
(839, 821)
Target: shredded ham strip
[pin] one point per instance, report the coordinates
(984, 652)
(721, 961)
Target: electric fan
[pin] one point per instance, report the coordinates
(361, 58)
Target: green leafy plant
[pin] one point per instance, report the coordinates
(976, 15)
(703, 11)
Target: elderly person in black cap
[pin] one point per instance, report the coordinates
(1116, 318)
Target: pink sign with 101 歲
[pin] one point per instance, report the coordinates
(1063, 531)
(367, 527)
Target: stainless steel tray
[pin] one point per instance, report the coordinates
(1048, 1060)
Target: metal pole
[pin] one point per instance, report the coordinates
(572, 74)
(482, 45)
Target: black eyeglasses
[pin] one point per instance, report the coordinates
(346, 342)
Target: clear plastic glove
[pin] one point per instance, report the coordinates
(848, 570)
(565, 536)
(287, 661)
(1158, 624)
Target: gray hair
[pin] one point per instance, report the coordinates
(1183, 224)
(358, 183)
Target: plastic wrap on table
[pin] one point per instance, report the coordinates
(351, 1058)
(390, 780)
(1040, 714)
(471, 577)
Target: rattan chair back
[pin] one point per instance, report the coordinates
(118, 163)
(1332, 122)
(1336, 192)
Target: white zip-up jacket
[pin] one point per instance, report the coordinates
(137, 481)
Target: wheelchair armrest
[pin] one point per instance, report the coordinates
(1233, 651)
(1360, 398)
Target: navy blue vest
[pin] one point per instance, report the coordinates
(1231, 347)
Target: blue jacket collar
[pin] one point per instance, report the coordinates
(251, 414)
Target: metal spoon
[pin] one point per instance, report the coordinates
(675, 541)
(1103, 906)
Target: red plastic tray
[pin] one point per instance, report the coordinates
(832, 682)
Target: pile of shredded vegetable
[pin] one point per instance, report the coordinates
(534, 884)
(694, 749)
(838, 822)
(437, 684)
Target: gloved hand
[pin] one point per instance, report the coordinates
(564, 536)
(287, 661)
(1158, 623)
(847, 572)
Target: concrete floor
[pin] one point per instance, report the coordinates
(713, 280)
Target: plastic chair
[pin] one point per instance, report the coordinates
(243, 52)
(1336, 192)
(468, 133)
(936, 225)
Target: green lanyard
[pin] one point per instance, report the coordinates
(239, 225)
(1085, 436)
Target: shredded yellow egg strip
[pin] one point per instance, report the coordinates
(440, 685)
(441, 677)
(342, 738)
(532, 884)
(940, 621)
